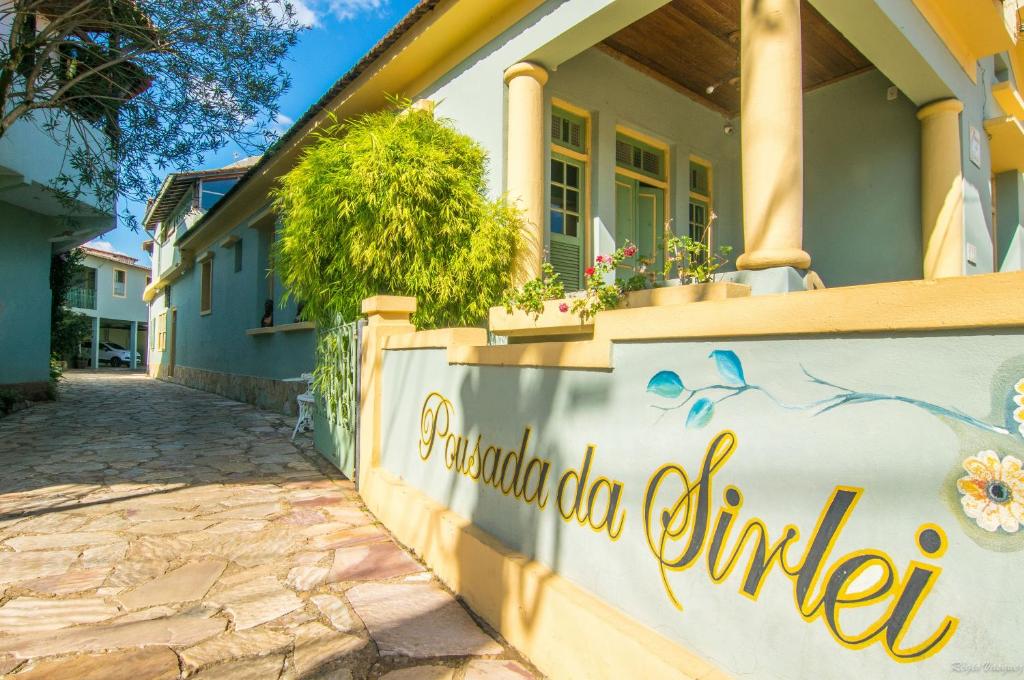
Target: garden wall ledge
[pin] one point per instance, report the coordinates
(282, 328)
(553, 322)
(987, 301)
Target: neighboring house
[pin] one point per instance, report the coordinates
(35, 224)
(109, 289)
(207, 307)
(839, 142)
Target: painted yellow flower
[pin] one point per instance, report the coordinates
(993, 491)
(1018, 399)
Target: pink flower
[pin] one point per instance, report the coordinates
(563, 307)
(589, 271)
(630, 251)
(601, 259)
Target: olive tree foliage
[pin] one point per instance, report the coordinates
(132, 89)
(394, 202)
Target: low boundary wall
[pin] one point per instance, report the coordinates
(820, 484)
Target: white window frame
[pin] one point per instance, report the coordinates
(124, 293)
(206, 287)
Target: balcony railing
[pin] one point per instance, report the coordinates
(82, 298)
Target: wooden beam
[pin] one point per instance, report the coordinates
(663, 79)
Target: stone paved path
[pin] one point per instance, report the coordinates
(152, 531)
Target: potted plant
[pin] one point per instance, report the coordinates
(691, 260)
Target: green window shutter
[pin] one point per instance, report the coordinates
(639, 157)
(568, 130)
(566, 215)
(565, 258)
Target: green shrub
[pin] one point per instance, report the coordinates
(394, 203)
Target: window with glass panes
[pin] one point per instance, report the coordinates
(566, 196)
(568, 200)
(700, 198)
(214, 190)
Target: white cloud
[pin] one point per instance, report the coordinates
(279, 125)
(345, 10)
(304, 14)
(309, 13)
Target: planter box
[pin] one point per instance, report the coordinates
(681, 295)
(552, 322)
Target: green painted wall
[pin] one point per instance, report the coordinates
(1009, 230)
(218, 341)
(862, 183)
(862, 151)
(630, 99)
(900, 456)
(24, 295)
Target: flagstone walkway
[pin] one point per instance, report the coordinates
(152, 531)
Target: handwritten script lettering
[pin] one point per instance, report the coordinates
(684, 527)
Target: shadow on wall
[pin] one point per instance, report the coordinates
(538, 533)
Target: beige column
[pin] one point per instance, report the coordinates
(525, 152)
(942, 189)
(772, 122)
(386, 315)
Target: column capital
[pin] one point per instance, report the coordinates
(529, 69)
(388, 309)
(954, 106)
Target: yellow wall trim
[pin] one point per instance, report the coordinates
(1009, 99)
(1007, 135)
(563, 629)
(594, 355)
(970, 29)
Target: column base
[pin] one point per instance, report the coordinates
(774, 280)
(776, 257)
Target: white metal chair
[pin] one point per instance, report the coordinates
(307, 404)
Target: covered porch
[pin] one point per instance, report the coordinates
(761, 118)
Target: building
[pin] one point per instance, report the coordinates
(109, 290)
(208, 307)
(901, 160)
(36, 224)
(900, 157)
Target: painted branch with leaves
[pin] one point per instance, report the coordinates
(703, 400)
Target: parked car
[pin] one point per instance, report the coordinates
(112, 353)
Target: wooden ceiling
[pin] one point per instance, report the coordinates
(691, 45)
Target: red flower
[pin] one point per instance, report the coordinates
(601, 259)
(630, 251)
(563, 307)
(589, 272)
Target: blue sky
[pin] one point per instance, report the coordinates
(339, 33)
